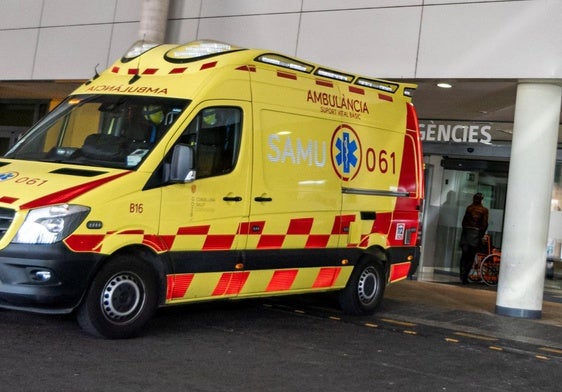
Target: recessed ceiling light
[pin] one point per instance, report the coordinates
(444, 85)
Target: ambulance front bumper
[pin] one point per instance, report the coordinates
(44, 278)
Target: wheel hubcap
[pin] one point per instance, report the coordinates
(122, 297)
(368, 286)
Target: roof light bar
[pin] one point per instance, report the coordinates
(377, 84)
(137, 49)
(198, 49)
(409, 92)
(285, 62)
(333, 75)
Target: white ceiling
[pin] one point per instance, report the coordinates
(478, 101)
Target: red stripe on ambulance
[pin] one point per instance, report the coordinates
(382, 223)
(251, 227)
(150, 71)
(66, 195)
(385, 97)
(356, 90)
(399, 271)
(341, 224)
(286, 75)
(231, 283)
(179, 70)
(194, 230)
(84, 242)
(271, 241)
(8, 200)
(157, 242)
(325, 83)
(208, 65)
(326, 277)
(300, 226)
(317, 241)
(177, 285)
(282, 280)
(218, 242)
(249, 68)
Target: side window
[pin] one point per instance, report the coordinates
(215, 135)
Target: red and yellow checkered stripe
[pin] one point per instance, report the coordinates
(214, 285)
(300, 233)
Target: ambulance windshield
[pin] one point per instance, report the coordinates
(100, 130)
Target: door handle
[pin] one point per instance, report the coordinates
(232, 198)
(262, 198)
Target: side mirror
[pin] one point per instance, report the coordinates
(181, 169)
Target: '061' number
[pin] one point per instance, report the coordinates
(383, 161)
(30, 181)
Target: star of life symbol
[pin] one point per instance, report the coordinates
(7, 176)
(346, 152)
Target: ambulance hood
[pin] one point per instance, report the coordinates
(26, 184)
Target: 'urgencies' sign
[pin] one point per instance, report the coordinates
(456, 133)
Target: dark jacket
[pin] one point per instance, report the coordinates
(474, 224)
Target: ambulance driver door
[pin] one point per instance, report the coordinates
(202, 218)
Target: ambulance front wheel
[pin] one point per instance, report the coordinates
(120, 300)
(364, 290)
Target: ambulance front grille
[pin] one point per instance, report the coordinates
(6, 218)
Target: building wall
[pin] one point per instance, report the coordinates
(66, 39)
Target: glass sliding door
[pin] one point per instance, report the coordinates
(458, 187)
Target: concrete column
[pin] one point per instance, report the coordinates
(154, 18)
(527, 211)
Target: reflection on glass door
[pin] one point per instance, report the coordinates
(457, 190)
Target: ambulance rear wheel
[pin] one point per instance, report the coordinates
(121, 299)
(364, 290)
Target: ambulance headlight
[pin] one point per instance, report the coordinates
(51, 224)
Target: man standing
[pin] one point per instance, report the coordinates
(474, 225)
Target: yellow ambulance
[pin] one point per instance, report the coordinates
(206, 171)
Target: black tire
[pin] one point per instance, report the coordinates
(490, 269)
(364, 290)
(121, 299)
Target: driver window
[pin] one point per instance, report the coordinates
(215, 136)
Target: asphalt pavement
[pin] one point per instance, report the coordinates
(426, 336)
(470, 309)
